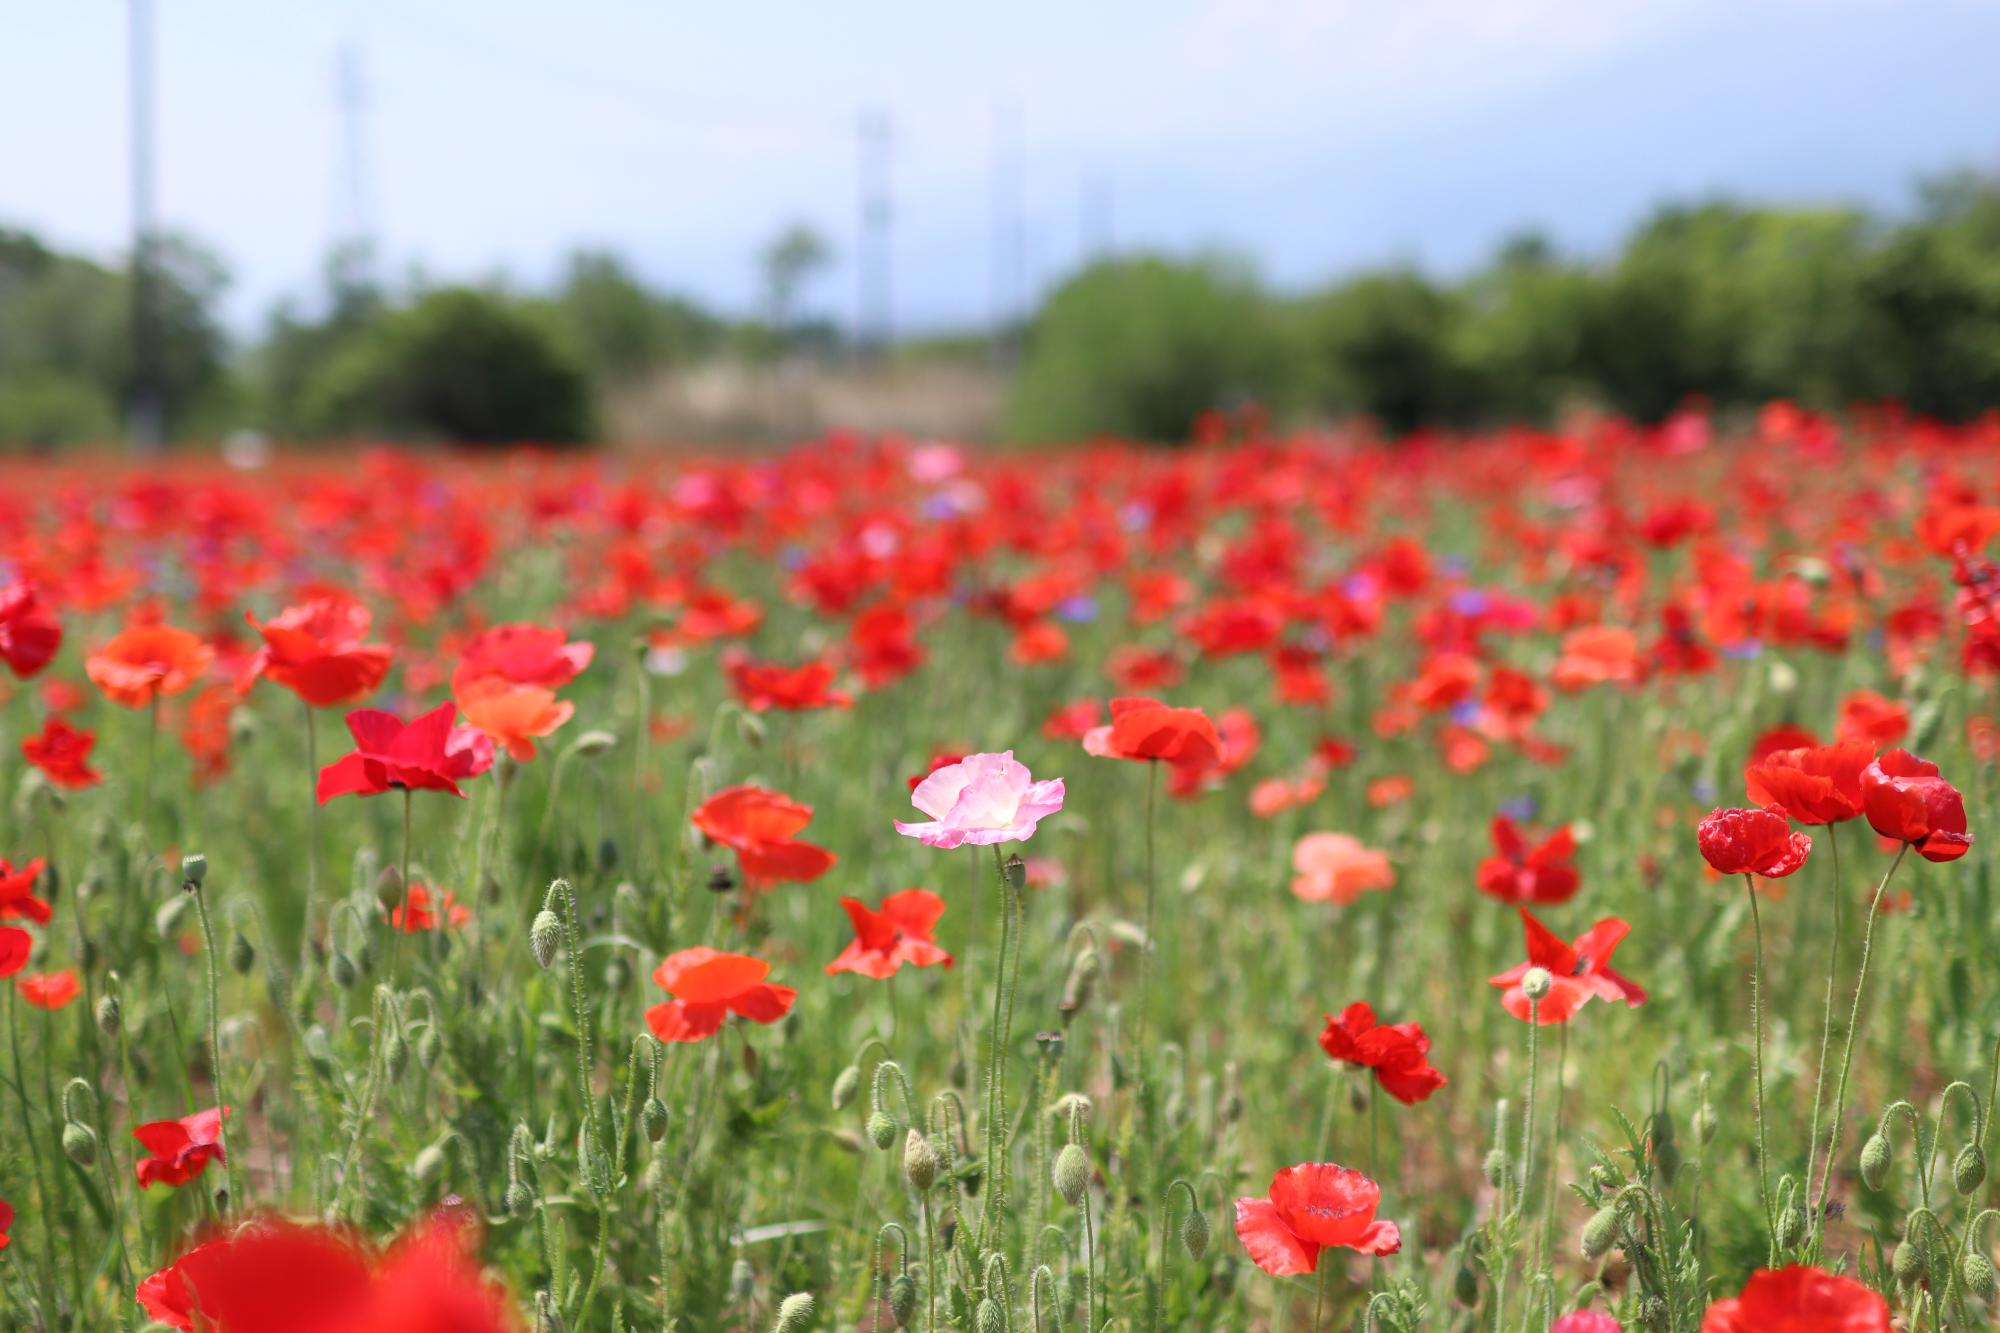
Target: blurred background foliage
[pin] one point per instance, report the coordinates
(1727, 302)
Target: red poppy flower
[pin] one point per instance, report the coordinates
(757, 824)
(708, 987)
(6, 1222)
(1398, 1053)
(1752, 842)
(1133, 667)
(1038, 643)
(1598, 655)
(1818, 784)
(766, 685)
(62, 752)
(1799, 1300)
(49, 990)
(883, 645)
(523, 655)
(147, 662)
(1240, 738)
(898, 932)
(1904, 798)
(1518, 873)
(514, 716)
(1311, 1208)
(30, 634)
(204, 731)
(419, 913)
(424, 755)
(15, 946)
(1784, 736)
(1146, 729)
(1585, 1321)
(17, 892)
(314, 650)
(1579, 972)
(181, 1149)
(1073, 721)
(1868, 716)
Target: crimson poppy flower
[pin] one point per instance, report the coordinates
(522, 655)
(1272, 796)
(17, 892)
(1752, 842)
(767, 685)
(419, 913)
(181, 1149)
(315, 650)
(62, 752)
(425, 755)
(1871, 717)
(709, 986)
(1579, 972)
(15, 946)
(276, 1276)
(1146, 729)
(147, 662)
(1398, 1053)
(1072, 721)
(1799, 1300)
(204, 731)
(1784, 736)
(898, 932)
(1818, 784)
(6, 1222)
(757, 824)
(514, 716)
(1236, 730)
(1904, 798)
(49, 990)
(883, 645)
(1517, 873)
(1038, 643)
(30, 634)
(1311, 1208)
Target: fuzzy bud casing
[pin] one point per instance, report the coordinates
(544, 938)
(1072, 1173)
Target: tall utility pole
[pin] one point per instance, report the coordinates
(874, 255)
(353, 237)
(147, 411)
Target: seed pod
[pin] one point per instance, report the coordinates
(194, 869)
(110, 1016)
(1536, 983)
(881, 1130)
(1976, 1271)
(654, 1118)
(1194, 1234)
(1875, 1158)
(79, 1143)
(1016, 871)
(903, 1300)
(920, 1160)
(989, 1318)
(518, 1199)
(1599, 1233)
(795, 1313)
(845, 1084)
(544, 937)
(1968, 1169)
(1072, 1173)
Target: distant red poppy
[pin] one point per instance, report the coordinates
(521, 655)
(766, 685)
(1579, 972)
(315, 650)
(1784, 736)
(204, 731)
(1598, 655)
(1072, 721)
(420, 913)
(17, 892)
(147, 662)
(1272, 796)
(1039, 643)
(708, 987)
(1336, 867)
(1752, 842)
(1871, 717)
(424, 755)
(62, 752)
(757, 824)
(1146, 729)
(897, 933)
(1133, 667)
(180, 1149)
(6, 1222)
(1240, 738)
(883, 645)
(49, 990)
(1799, 1300)
(1398, 1053)
(1517, 873)
(1905, 798)
(15, 947)
(30, 634)
(1311, 1208)
(1819, 784)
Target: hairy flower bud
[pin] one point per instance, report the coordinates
(544, 937)
(903, 1300)
(395, 1054)
(343, 971)
(1194, 1234)
(1496, 1167)
(79, 1143)
(881, 1130)
(389, 888)
(1791, 1225)
(518, 1199)
(989, 1318)
(1465, 1286)
(845, 1084)
(1599, 1233)
(430, 1048)
(242, 954)
(1968, 1169)
(795, 1313)
(1976, 1271)
(920, 1160)
(654, 1118)
(742, 1281)
(1072, 1173)
(1875, 1158)
(110, 1015)
(1908, 1262)
(429, 1164)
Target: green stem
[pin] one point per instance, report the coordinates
(229, 1163)
(1151, 944)
(1818, 1223)
(1757, 1064)
(1528, 1112)
(1854, 1022)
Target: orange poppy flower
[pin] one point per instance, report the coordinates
(147, 662)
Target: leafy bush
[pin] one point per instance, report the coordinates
(48, 408)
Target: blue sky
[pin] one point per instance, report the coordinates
(1312, 135)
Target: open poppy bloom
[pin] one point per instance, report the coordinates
(428, 754)
(1585, 1321)
(17, 892)
(1398, 1053)
(1817, 784)
(708, 987)
(766, 685)
(30, 634)
(514, 715)
(15, 946)
(1517, 873)
(757, 824)
(1334, 867)
(1579, 972)
(147, 662)
(1799, 1300)
(6, 1222)
(1146, 729)
(181, 1149)
(314, 650)
(49, 990)
(1905, 798)
(982, 799)
(1872, 719)
(1752, 842)
(521, 655)
(1598, 655)
(898, 932)
(275, 1276)
(1072, 721)
(427, 909)
(62, 752)
(1313, 1207)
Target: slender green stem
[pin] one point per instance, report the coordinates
(1320, 1267)
(1854, 1022)
(45, 1208)
(1757, 1064)
(313, 835)
(1152, 944)
(1555, 1145)
(229, 1155)
(1817, 1223)
(399, 927)
(1528, 1112)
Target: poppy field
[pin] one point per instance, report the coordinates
(1531, 881)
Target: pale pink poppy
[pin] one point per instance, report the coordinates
(1337, 868)
(981, 799)
(1585, 1321)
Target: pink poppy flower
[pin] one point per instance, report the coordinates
(982, 799)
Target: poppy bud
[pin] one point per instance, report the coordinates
(1968, 1169)
(742, 1281)
(1194, 1234)
(1465, 1286)
(518, 1199)
(79, 1143)
(389, 888)
(750, 729)
(1016, 871)
(342, 970)
(194, 869)
(1875, 1158)
(1663, 1126)
(607, 855)
(989, 1318)
(1908, 1262)
(881, 1130)
(429, 1164)
(110, 1017)
(395, 1054)
(795, 1313)
(1536, 983)
(845, 1084)
(1705, 1123)
(430, 1048)
(920, 1160)
(1496, 1167)
(242, 954)
(1072, 1173)
(167, 917)
(1791, 1226)
(592, 744)
(903, 1300)
(544, 937)
(1599, 1233)
(1082, 979)
(319, 1049)
(1976, 1271)
(1667, 1156)
(653, 1118)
